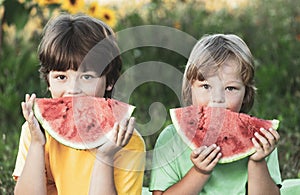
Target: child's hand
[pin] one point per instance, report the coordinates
(35, 131)
(264, 144)
(206, 158)
(118, 138)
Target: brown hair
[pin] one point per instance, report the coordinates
(79, 42)
(209, 53)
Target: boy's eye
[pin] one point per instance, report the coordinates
(231, 88)
(205, 86)
(61, 77)
(87, 77)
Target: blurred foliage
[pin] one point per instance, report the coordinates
(271, 28)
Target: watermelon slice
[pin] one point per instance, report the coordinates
(198, 126)
(80, 122)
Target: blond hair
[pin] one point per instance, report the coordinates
(209, 53)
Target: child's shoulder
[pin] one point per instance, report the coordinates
(168, 135)
(168, 131)
(136, 142)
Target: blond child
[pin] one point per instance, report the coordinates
(219, 73)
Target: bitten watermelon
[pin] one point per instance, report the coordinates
(80, 122)
(232, 131)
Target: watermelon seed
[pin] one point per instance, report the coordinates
(91, 126)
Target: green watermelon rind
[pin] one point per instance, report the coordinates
(177, 127)
(81, 146)
(237, 156)
(223, 160)
(275, 124)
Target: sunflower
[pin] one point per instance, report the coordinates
(48, 2)
(108, 16)
(73, 6)
(93, 9)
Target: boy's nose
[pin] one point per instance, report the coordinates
(218, 96)
(218, 99)
(73, 87)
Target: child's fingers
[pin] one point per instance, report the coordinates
(33, 96)
(206, 158)
(269, 136)
(275, 134)
(121, 132)
(118, 137)
(263, 141)
(197, 151)
(212, 156)
(256, 144)
(27, 105)
(114, 135)
(30, 98)
(129, 131)
(30, 101)
(31, 118)
(24, 110)
(33, 125)
(27, 97)
(207, 153)
(260, 153)
(216, 157)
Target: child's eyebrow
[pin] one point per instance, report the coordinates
(234, 81)
(91, 73)
(203, 81)
(58, 72)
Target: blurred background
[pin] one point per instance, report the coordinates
(271, 28)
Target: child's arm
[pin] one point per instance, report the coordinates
(259, 179)
(204, 160)
(102, 180)
(33, 177)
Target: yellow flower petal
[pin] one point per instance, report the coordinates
(108, 16)
(73, 6)
(93, 9)
(48, 2)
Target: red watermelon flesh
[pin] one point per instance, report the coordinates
(80, 122)
(199, 126)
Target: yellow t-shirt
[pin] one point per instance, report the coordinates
(69, 170)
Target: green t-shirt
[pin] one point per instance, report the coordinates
(171, 161)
